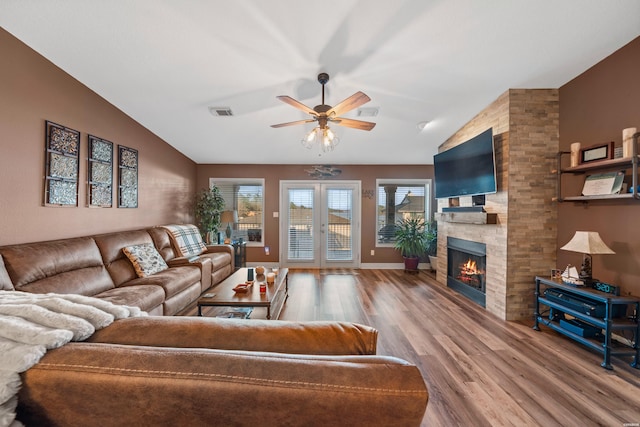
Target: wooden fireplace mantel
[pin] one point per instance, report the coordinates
(467, 217)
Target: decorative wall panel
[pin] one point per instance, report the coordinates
(62, 148)
(127, 177)
(100, 173)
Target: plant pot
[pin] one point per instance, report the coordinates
(411, 264)
(433, 260)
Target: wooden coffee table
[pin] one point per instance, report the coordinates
(223, 294)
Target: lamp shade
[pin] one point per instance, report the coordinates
(229, 216)
(587, 242)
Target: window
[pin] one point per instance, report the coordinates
(246, 197)
(399, 199)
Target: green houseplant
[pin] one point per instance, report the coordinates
(209, 204)
(431, 231)
(411, 241)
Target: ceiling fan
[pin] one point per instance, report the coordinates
(324, 113)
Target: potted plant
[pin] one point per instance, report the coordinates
(431, 231)
(208, 207)
(411, 241)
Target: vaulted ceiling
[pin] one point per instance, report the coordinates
(165, 62)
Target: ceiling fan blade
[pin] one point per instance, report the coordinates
(356, 124)
(297, 104)
(297, 122)
(354, 101)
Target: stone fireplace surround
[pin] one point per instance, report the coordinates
(521, 243)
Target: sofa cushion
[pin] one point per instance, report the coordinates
(145, 259)
(162, 241)
(62, 266)
(187, 239)
(145, 297)
(116, 262)
(173, 280)
(219, 259)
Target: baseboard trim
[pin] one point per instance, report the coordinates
(364, 265)
(392, 266)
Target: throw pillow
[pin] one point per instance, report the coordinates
(145, 259)
(5, 280)
(187, 240)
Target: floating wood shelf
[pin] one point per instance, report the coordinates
(467, 217)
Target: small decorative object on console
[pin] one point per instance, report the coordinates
(570, 276)
(587, 243)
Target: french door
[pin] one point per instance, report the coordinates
(320, 223)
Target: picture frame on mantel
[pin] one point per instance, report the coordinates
(597, 152)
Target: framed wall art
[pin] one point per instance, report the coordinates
(62, 150)
(100, 173)
(127, 177)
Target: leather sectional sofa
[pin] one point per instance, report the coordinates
(96, 266)
(192, 371)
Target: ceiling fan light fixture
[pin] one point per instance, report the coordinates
(323, 113)
(324, 137)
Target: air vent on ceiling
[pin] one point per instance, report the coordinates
(221, 111)
(368, 112)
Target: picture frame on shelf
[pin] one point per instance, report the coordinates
(601, 184)
(597, 152)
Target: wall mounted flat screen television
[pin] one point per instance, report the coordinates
(468, 169)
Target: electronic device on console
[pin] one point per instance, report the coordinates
(606, 288)
(582, 304)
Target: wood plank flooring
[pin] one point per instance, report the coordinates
(480, 370)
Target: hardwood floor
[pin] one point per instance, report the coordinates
(480, 370)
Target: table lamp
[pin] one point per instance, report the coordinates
(588, 243)
(229, 217)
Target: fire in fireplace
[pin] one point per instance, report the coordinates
(469, 274)
(466, 268)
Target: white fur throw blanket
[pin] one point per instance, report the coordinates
(31, 324)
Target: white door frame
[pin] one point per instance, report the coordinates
(319, 261)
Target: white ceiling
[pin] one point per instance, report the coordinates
(164, 62)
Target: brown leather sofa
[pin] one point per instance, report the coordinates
(217, 263)
(96, 266)
(191, 371)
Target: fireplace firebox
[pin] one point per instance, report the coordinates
(466, 268)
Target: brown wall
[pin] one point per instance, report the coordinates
(594, 108)
(273, 174)
(33, 90)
